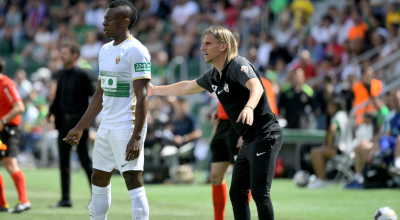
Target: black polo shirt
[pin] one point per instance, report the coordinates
(232, 93)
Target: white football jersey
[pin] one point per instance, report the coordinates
(119, 66)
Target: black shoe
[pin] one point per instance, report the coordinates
(20, 207)
(62, 204)
(4, 209)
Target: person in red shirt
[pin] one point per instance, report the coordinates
(11, 107)
(306, 65)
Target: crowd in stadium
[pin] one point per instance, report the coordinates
(306, 63)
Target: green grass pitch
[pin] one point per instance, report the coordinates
(193, 202)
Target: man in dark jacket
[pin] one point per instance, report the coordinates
(74, 88)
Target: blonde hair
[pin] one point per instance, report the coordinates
(223, 35)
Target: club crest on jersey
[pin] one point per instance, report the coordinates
(214, 87)
(245, 69)
(118, 59)
(226, 88)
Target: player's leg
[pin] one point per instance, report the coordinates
(83, 152)
(132, 171)
(318, 157)
(12, 139)
(219, 188)
(137, 193)
(3, 201)
(219, 165)
(103, 167)
(240, 186)
(262, 161)
(101, 194)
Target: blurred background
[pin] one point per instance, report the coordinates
(322, 47)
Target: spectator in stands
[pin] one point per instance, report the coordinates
(392, 16)
(183, 11)
(316, 50)
(94, 16)
(338, 139)
(263, 51)
(366, 148)
(306, 65)
(344, 26)
(91, 49)
(359, 28)
(363, 90)
(12, 31)
(323, 33)
(335, 51)
(293, 100)
(184, 126)
(278, 52)
(24, 86)
(301, 8)
(227, 13)
(284, 33)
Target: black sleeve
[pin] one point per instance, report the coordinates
(243, 71)
(205, 81)
(90, 82)
(282, 101)
(55, 106)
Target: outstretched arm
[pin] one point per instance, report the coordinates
(177, 89)
(93, 110)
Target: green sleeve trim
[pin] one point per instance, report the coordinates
(308, 90)
(286, 86)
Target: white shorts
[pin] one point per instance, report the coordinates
(109, 151)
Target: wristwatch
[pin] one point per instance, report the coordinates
(4, 121)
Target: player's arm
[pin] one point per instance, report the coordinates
(17, 108)
(141, 87)
(331, 133)
(177, 89)
(95, 106)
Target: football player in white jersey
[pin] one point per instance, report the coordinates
(122, 96)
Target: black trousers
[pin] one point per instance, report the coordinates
(64, 150)
(254, 169)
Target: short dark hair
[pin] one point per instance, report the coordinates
(73, 47)
(127, 9)
(338, 102)
(2, 65)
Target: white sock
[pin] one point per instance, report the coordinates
(140, 206)
(359, 178)
(397, 162)
(101, 202)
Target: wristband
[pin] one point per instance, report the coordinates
(185, 138)
(249, 107)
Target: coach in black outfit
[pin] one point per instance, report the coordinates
(242, 95)
(74, 88)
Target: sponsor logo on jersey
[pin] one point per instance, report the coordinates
(141, 67)
(118, 59)
(226, 88)
(245, 69)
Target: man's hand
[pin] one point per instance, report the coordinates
(178, 139)
(48, 116)
(214, 118)
(246, 115)
(132, 149)
(73, 136)
(240, 142)
(150, 91)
